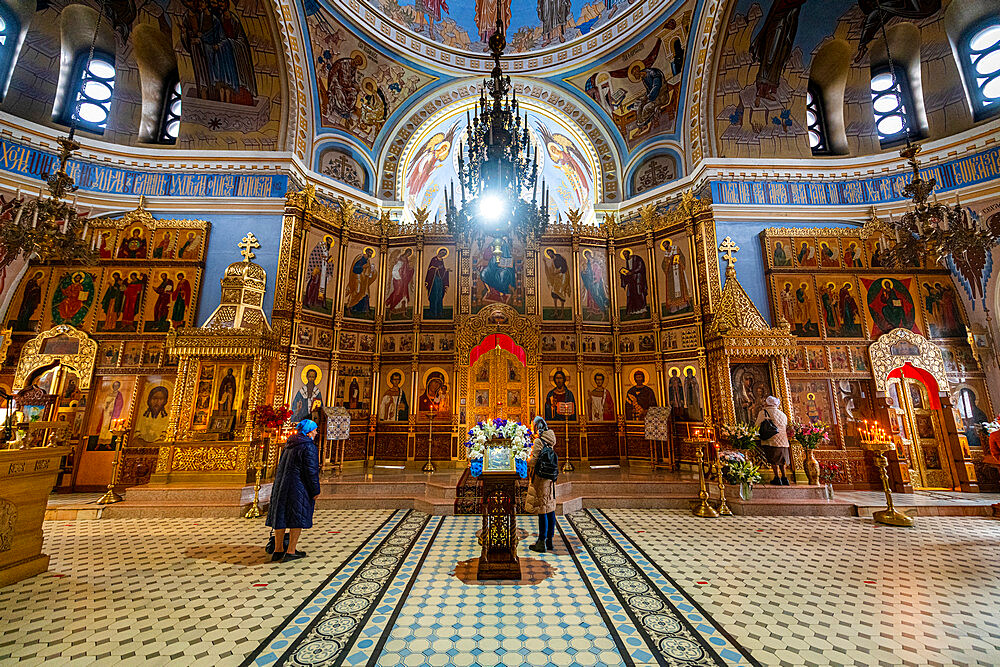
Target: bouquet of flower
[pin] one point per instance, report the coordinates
(266, 416)
(737, 468)
(812, 434)
(991, 426)
(740, 436)
(514, 432)
(828, 472)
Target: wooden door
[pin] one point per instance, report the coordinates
(498, 387)
(929, 461)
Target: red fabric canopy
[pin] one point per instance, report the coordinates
(493, 341)
(908, 370)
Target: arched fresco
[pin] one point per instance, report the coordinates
(567, 160)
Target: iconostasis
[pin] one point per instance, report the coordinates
(387, 319)
(834, 290)
(146, 281)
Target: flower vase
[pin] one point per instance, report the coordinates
(812, 467)
(476, 467)
(746, 491)
(829, 491)
(522, 468)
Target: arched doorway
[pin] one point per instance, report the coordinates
(909, 372)
(498, 380)
(912, 395)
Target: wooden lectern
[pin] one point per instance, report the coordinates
(498, 538)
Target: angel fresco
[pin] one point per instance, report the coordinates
(568, 159)
(428, 159)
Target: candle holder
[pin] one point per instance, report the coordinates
(877, 440)
(723, 509)
(704, 509)
(254, 512)
(118, 430)
(429, 467)
(567, 465)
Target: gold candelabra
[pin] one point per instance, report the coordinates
(429, 466)
(118, 430)
(567, 466)
(723, 506)
(704, 509)
(878, 441)
(254, 511)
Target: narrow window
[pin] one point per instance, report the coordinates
(9, 29)
(171, 123)
(816, 122)
(890, 104)
(981, 62)
(89, 101)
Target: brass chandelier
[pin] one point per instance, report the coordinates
(928, 228)
(498, 164)
(50, 228)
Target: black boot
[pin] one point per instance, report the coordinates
(548, 544)
(538, 546)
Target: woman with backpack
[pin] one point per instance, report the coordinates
(543, 465)
(775, 446)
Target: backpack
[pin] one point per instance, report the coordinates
(767, 428)
(547, 463)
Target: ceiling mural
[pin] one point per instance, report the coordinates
(532, 24)
(640, 89)
(567, 161)
(764, 70)
(357, 87)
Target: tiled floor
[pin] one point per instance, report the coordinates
(623, 587)
(918, 498)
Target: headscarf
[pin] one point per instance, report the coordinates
(306, 426)
(772, 402)
(539, 424)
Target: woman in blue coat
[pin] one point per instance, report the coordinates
(293, 494)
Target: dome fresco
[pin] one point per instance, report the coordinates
(532, 24)
(567, 161)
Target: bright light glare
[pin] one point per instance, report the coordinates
(492, 207)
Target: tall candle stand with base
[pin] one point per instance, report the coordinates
(723, 509)
(875, 439)
(118, 430)
(704, 509)
(566, 412)
(429, 467)
(255, 512)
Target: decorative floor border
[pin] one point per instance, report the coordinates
(330, 621)
(656, 622)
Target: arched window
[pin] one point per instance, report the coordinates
(891, 104)
(816, 122)
(10, 29)
(88, 103)
(170, 124)
(981, 62)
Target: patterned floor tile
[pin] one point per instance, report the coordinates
(836, 591)
(622, 587)
(157, 588)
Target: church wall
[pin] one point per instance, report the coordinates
(238, 107)
(227, 230)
